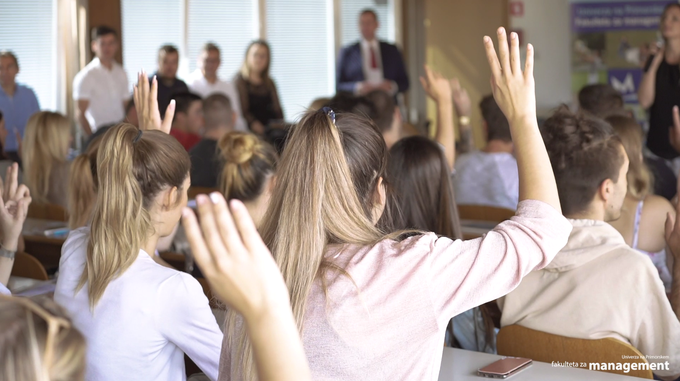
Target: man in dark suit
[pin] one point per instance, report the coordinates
(371, 64)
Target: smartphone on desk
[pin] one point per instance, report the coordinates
(505, 367)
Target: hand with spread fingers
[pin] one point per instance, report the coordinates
(146, 104)
(242, 273)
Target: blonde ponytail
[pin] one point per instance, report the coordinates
(325, 191)
(132, 168)
(247, 164)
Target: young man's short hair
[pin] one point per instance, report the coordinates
(497, 124)
(217, 110)
(382, 112)
(600, 100)
(8, 54)
(369, 11)
(584, 151)
(167, 49)
(184, 100)
(211, 47)
(101, 31)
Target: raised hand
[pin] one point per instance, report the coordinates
(513, 90)
(436, 86)
(461, 99)
(13, 207)
(237, 264)
(146, 103)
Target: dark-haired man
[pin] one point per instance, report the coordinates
(187, 125)
(17, 102)
(597, 286)
(219, 119)
(489, 176)
(101, 88)
(371, 64)
(168, 83)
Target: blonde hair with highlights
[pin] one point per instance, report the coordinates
(45, 147)
(82, 190)
(248, 162)
(23, 342)
(640, 178)
(325, 194)
(132, 169)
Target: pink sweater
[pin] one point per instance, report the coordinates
(392, 326)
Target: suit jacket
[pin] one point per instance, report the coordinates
(350, 69)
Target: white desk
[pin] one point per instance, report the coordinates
(461, 365)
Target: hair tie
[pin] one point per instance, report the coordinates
(329, 111)
(136, 139)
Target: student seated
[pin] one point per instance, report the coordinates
(597, 286)
(489, 176)
(139, 318)
(219, 119)
(39, 342)
(248, 171)
(370, 305)
(643, 215)
(44, 156)
(187, 125)
(602, 101)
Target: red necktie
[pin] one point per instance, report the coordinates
(374, 63)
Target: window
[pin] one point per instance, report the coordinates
(303, 53)
(228, 23)
(147, 25)
(349, 16)
(28, 29)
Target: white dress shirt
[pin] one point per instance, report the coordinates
(105, 89)
(199, 85)
(145, 321)
(373, 76)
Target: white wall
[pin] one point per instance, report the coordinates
(546, 25)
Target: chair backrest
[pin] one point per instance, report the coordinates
(47, 212)
(518, 341)
(484, 213)
(195, 191)
(27, 266)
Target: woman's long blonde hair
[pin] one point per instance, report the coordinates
(325, 194)
(245, 69)
(132, 168)
(23, 341)
(82, 187)
(45, 146)
(640, 179)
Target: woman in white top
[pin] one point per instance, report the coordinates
(138, 317)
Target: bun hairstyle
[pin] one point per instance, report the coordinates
(133, 167)
(248, 163)
(584, 151)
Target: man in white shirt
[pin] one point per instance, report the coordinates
(101, 88)
(371, 64)
(489, 177)
(204, 81)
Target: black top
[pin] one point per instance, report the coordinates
(166, 92)
(205, 164)
(665, 182)
(667, 95)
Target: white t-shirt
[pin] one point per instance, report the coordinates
(106, 90)
(145, 321)
(199, 85)
(487, 179)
